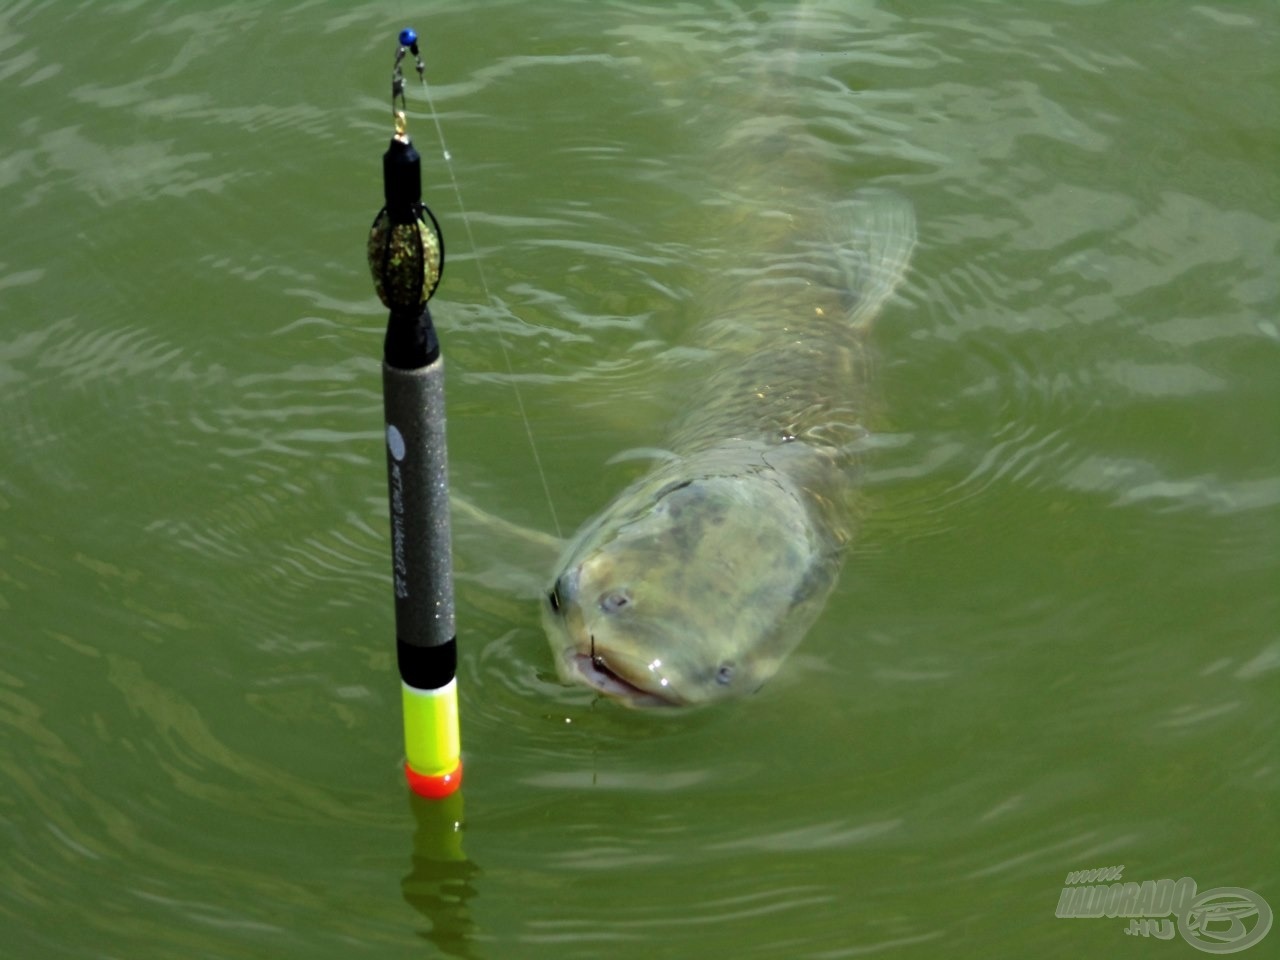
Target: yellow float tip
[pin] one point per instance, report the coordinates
(433, 755)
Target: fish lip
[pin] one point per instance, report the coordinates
(596, 674)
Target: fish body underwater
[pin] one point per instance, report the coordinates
(698, 579)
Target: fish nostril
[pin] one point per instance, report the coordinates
(615, 600)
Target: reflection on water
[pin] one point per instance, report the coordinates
(1054, 646)
(441, 884)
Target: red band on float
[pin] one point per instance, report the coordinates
(433, 786)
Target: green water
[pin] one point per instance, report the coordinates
(1055, 647)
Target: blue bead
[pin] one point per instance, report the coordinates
(408, 37)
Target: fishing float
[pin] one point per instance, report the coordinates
(406, 260)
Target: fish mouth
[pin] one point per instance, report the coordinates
(597, 674)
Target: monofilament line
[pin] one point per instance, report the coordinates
(484, 285)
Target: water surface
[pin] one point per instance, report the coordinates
(1055, 646)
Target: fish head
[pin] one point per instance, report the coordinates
(689, 589)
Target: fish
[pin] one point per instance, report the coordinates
(697, 580)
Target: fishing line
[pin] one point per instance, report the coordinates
(409, 42)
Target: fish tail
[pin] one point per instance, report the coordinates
(872, 235)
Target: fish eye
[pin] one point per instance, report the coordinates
(724, 676)
(553, 598)
(615, 601)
